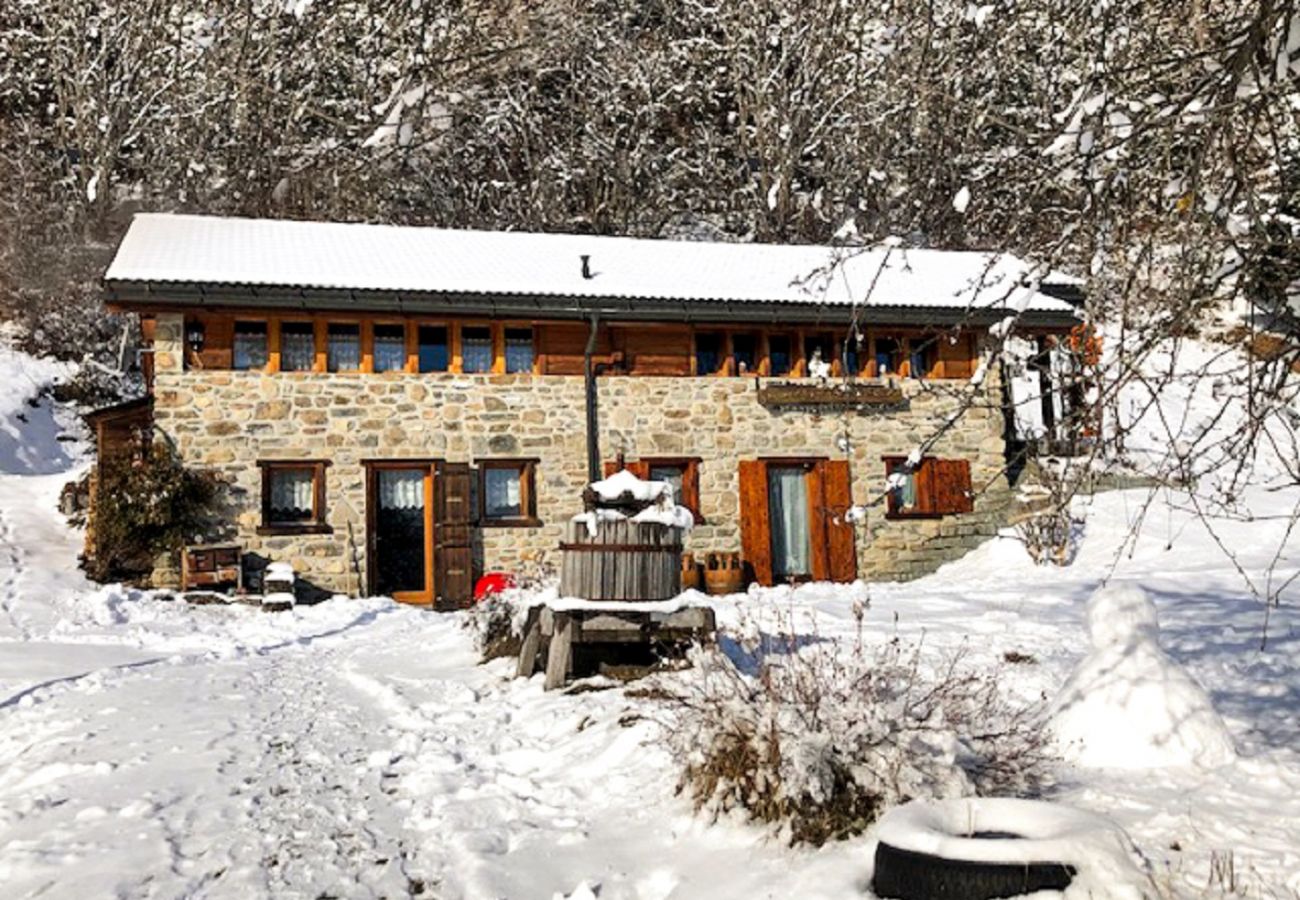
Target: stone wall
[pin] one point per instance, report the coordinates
(227, 421)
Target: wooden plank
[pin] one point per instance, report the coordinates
(531, 643)
(755, 524)
(841, 551)
(559, 660)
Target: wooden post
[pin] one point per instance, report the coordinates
(560, 659)
(532, 638)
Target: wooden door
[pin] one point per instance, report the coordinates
(832, 553)
(454, 535)
(400, 516)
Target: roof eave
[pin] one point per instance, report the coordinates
(139, 295)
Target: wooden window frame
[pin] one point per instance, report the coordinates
(724, 352)
(322, 345)
(509, 325)
(933, 499)
(527, 469)
(317, 525)
(277, 354)
(270, 348)
(413, 341)
(690, 466)
(376, 321)
(494, 338)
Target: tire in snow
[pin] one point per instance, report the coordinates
(979, 849)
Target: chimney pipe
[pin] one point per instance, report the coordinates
(586, 267)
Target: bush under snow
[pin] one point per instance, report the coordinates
(818, 739)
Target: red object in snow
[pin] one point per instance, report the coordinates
(492, 583)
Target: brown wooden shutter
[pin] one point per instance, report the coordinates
(219, 342)
(755, 527)
(691, 490)
(841, 551)
(951, 486)
(817, 521)
(610, 467)
(455, 569)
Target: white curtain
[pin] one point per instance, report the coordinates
(401, 489)
(787, 491)
(291, 492)
(390, 352)
(297, 348)
(503, 497)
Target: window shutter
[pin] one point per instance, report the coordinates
(455, 569)
(923, 478)
(755, 528)
(842, 554)
(610, 467)
(691, 489)
(951, 486)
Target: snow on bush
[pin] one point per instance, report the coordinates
(817, 738)
(497, 621)
(1128, 704)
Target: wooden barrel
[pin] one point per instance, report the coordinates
(623, 560)
(723, 573)
(690, 572)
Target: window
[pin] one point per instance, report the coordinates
(818, 347)
(853, 353)
(293, 497)
(343, 353)
(920, 357)
(297, 347)
(744, 353)
(682, 474)
(519, 350)
(476, 349)
(888, 356)
(390, 348)
(708, 352)
(779, 354)
(506, 492)
(931, 488)
(250, 345)
(433, 348)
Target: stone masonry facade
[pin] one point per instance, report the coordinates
(227, 421)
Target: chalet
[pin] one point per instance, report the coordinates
(397, 409)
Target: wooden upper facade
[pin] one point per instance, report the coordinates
(276, 342)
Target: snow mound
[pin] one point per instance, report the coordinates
(30, 428)
(1128, 704)
(1120, 614)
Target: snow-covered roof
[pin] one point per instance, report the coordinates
(209, 250)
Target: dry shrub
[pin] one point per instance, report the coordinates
(497, 621)
(817, 739)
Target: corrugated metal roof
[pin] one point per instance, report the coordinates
(214, 251)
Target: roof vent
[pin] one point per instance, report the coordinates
(586, 267)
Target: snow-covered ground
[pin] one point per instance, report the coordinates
(357, 749)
